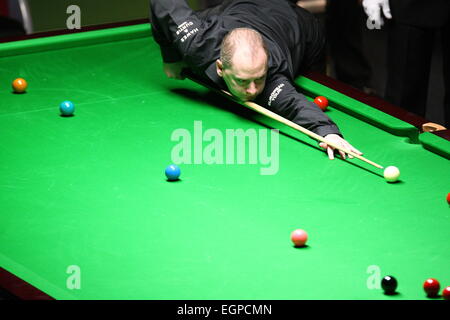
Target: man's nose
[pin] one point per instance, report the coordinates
(251, 89)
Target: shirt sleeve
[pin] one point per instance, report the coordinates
(281, 97)
(163, 25)
(178, 30)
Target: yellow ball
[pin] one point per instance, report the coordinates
(20, 85)
(391, 174)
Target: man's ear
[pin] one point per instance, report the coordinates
(219, 68)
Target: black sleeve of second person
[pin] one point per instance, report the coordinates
(281, 97)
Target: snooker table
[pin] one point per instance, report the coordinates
(86, 211)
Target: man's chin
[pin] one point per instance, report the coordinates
(244, 98)
(248, 99)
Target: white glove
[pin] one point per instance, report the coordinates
(372, 9)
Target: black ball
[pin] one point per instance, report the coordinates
(389, 284)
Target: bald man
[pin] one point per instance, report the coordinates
(252, 48)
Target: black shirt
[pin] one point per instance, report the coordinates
(293, 37)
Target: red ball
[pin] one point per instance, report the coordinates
(431, 287)
(446, 293)
(322, 102)
(448, 198)
(299, 237)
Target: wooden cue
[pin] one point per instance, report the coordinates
(256, 107)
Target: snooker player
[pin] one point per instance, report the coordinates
(252, 48)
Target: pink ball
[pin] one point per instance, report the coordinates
(299, 237)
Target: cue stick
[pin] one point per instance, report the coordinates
(256, 107)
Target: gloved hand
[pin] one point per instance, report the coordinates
(372, 9)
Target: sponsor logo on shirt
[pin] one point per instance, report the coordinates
(185, 28)
(275, 93)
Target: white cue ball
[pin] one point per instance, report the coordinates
(391, 174)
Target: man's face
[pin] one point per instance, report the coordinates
(246, 77)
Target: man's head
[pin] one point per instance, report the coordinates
(243, 63)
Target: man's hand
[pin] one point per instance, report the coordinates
(174, 70)
(372, 9)
(337, 140)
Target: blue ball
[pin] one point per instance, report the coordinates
(67, 108)
(173, 172)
